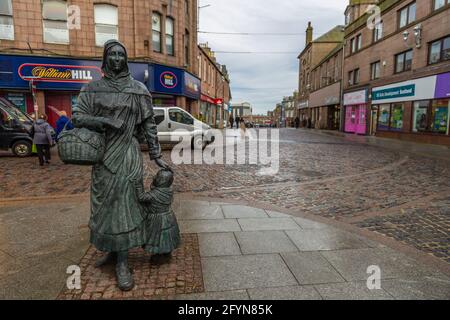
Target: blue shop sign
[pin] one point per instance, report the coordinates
(173, 81)
(16, 72)
(396, 92)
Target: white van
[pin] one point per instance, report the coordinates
(175, 123)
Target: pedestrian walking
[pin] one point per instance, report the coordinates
(237, 122)
(297, 122)
(42, 138)
(231, 121)
(61, 123)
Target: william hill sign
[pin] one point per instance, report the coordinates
(59, 73)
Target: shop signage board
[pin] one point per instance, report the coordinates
(355, 98)
(418, 89)
(442, 86)
(16, 72)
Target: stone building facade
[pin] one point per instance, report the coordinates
(159, 34)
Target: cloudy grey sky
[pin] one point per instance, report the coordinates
(264, 79)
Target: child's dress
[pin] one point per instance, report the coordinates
(161, 229)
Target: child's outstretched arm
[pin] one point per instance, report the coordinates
(140, 192)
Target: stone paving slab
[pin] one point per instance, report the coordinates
(274, 214)
(351, 291)
(352, 264)
(311, 268)
(191, 211)
(234, 212)
(208, 226)
(218, 244)
(327, 239)
(268, 224)
(255, 242)
(285, 293)
(245, 272)
(428, 288)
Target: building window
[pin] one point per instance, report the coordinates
(6, 20)
(403, 61)
(378, 32)
(375, 70)
(54, 14)
(156, 32)
(356, 43)
(384, 116)
(440, 116)
(186, 48)
(438, 4)
(186, 9)
(391, 117)
(106, 23)
(439, 51)
(397, 116)
(169, 36)
(407, 15)
(353, 77)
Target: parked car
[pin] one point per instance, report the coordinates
(171, 119)
(15, 127)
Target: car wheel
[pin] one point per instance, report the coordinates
(198, 143)
(22, 148)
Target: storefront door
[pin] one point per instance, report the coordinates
(361, 119)
(350, 119)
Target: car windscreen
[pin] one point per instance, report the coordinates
(14, 112)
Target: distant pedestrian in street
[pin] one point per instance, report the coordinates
(231, 121)
(42, 138)
(308, 122)
(237, 122)
(297, 122)
(61, 122)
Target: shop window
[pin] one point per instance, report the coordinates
(169, 36)
(440, 116)
(439, 51)
(180, 117)
(378, 32)
(420, 114)
(375, 70)
(106, 23)
(156, 32)
(384, 116)
(54, 14)
(403, 61)
(438, 4)
(6, 20)
(407, 15)
(397, 116)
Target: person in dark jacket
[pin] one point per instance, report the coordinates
(237, 122)
(42, 138)
(231, 121)
(61, 122)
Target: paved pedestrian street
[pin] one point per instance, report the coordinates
(339, 206)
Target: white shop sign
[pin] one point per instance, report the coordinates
(354, 98)
(413, 90)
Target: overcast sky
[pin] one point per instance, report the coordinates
(264, 79)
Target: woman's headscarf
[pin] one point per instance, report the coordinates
(117, 80)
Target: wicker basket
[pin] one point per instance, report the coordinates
(81, 146)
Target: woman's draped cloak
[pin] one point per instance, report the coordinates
(117, 217)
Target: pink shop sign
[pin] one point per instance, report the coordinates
(357, 97)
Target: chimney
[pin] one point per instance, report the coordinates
(309, 33)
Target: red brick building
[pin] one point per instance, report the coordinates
(397, 71)
(67, 37)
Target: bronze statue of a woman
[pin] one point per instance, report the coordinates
(121, 108)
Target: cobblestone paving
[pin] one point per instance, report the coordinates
(182, 275)
(428, 222)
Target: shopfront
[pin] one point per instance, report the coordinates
(174, 87)
(355, 104)
(325, 104)
(57, 81)
(416, 110)
(211, 110)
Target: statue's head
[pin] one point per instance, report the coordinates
(163, 179)
(115, 59)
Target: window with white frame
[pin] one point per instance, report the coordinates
(156, 32)
(54, 14)
(169, 36)
(378, 31)
(6, 20)
(438, 4)
(407, 15)
(106, 23)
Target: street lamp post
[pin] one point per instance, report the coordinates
(198, 14)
